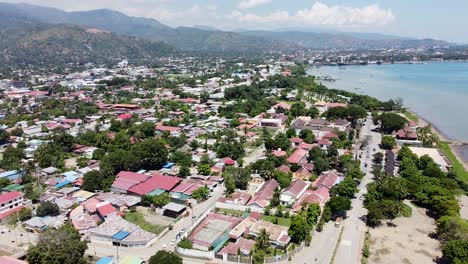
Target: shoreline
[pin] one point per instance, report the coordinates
(443, 137)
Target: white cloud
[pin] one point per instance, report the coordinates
(321, 14)
(246, 4)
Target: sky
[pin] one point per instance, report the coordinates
(438, 19)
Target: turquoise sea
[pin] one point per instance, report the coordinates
(438, 91)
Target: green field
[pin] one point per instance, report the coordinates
(281, 220)
(410, 116)
(457, 166)
(139, 220)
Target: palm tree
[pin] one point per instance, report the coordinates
(263, 240)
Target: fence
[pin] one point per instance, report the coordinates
(273, 259)
(286, 255)
(193, 253)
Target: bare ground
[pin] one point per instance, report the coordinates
(463, 201)
(408, 242)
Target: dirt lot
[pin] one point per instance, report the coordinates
(155, 218)
(408, 242)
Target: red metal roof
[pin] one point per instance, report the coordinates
(9, 196)
(155, 182)
(106, 209)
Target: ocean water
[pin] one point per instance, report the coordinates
(438, 91)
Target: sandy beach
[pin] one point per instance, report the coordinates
(455, 146)
(423, 122)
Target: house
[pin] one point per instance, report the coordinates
(302, 174)
(173, 131)
(263, 196)
(319, 196)
(256, 181)
(173, 210)
(327, 179)
(10, 203)
(117, 231)
(298, 156)
(10, 200)
(270, 122)
(295, 190)
(243, 246)
(341, 124)
(278, 234)
(105, 209)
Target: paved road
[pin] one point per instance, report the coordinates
(349, 249)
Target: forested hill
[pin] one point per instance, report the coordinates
(24, 42)
(187, 38)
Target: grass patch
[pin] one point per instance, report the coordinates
(336, 246)
(457, 167)
(406, 210)
(230, 212)
(277, 220)
(139, 220)
(366, 248)
(410, 116)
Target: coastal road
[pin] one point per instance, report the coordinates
(350, 247)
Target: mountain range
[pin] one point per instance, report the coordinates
(30, 34)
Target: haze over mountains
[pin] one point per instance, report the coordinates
(35, 32)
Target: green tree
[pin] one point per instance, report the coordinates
(162, 199)
(47, 209)
(388, 142)
(58, 246)
(229, 183)
(339, 205)
(92, 181)
(456, 251)
(348, 187)
(163, 256)
(452, 228)
(262, 241)
(321, 165)
(12, 158)
(283, 178)
(201, 193)
(390, 122)
(204, 169)
(24, 214)
(307, 135)
(184, 171)
(258, 256)
(298, 229)
(241, 176)
(315, 153)
(291, 132)
(185, 243)
(4, 182)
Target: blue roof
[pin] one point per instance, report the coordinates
(168, 165)
(61, 184)
(71, 176)
(120, 235)
(105, 260)
(11, 175)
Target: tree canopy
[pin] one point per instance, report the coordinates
(58, 246)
